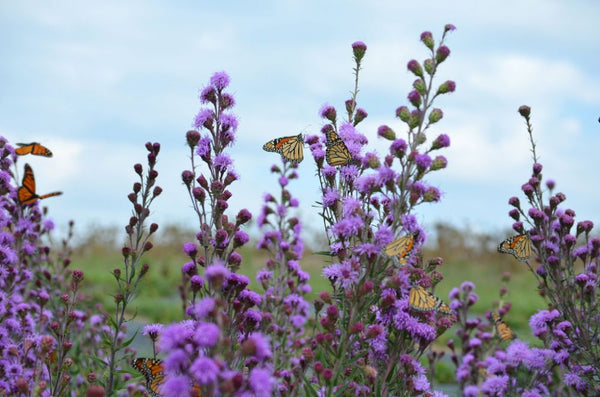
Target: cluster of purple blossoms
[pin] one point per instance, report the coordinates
(41, 327)
(366, 204)
(284, 282)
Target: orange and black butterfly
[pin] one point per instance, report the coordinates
(154, 373)
(401, 248)
(424, 301)
(289, 147)
(337, 152)
(504, 331)
(518, 246)
(26, 192)
(33, 148)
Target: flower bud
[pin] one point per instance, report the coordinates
(525, 111)
(415, 67)
(441, 54)
(427, 39)
(447, 86)
(403, 113)
(358, 49)
(386, 132)
(435, 115)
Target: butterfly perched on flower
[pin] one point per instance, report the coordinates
(337, 152)
(154, 373)
(400, 248)
(504, 331)
(424, 301)
(26, 192)
(518, 246)
(289, 147)
(33, 148)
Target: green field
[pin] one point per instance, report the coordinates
(158, 300)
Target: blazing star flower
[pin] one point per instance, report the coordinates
(207, 334)
(220, 80)
(205, 370)
(203, 118)
(261, 382)
(153, 330)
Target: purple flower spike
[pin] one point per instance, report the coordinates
(220, 80)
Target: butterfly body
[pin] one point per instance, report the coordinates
(26, 192)
(518, 246)
(33, 148)
(337, 152)
(422, 300)
(504, 331)
(154, 372)
(289, 147)
(400, 248)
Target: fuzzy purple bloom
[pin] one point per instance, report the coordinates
(220, 80)
(205, 370)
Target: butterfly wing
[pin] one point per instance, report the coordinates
(33, 148)
(289, 147)
(518, 246)
(422, 300)
(502, 329)
(26, 192)
(292, 149)
(400, 248)
(337, 152)
(153, 371)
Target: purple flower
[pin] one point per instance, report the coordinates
(495, 385)
(250, 297)
(190, 249)
(153, 330)
(260, 381)
(262, 346)
(423, 161)
(203, 119)
(470, 391)
(203, 149)
(205, 370)
(343, 274)
(216, 274)
(204, 307)
(175, 386)
(208, 95)
(328, 112)
(174, 336)
(348, 227)
(222, 161)
(220, 80)
(398, 148)
(207, 334)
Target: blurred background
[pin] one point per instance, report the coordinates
(95, 81)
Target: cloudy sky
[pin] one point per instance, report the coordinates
(95, 80)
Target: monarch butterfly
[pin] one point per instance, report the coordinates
(26, 192)
(289, 147)
(337, 152)
(504, 331)
(33, 148)
(518, 246)
(424, 301)
(401, 248)
(154, 373)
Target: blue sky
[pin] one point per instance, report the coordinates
(95, 80)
